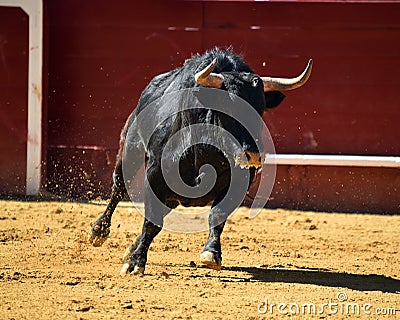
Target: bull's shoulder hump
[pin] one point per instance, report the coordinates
(156, 88)
(163, 80)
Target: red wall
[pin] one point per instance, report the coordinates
(99, 57)
(102, 56)
(13, 99)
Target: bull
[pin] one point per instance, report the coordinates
(217, 68)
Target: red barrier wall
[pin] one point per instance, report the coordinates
(13, 99)
(99, 57)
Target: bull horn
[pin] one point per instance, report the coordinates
(282, 84)
(207, 78)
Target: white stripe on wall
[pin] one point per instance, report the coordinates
(333, 160)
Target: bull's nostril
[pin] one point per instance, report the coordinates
(259, 159)
(248, 156)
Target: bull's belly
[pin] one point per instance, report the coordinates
(199, 202)
(191, 174)
(217, 190)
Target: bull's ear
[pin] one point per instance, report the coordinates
(273, 98)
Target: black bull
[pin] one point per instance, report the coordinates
(216, 69)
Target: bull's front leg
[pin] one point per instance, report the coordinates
(212, 253)
(135, 257)
(101, 228)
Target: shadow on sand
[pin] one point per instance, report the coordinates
(361, 282)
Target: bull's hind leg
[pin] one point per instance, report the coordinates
(101, 228)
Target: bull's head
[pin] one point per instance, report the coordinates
(208, 78)
(260, 92)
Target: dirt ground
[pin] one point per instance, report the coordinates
(280, 264)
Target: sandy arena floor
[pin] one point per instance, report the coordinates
(279, 264)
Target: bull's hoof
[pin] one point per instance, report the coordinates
(100, 232)
(96, 240)
(211, 260)
(136, 270)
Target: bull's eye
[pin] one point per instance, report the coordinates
(255, 82)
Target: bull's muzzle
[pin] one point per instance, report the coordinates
(248, 159)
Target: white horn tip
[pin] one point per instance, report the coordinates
(207, 78)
